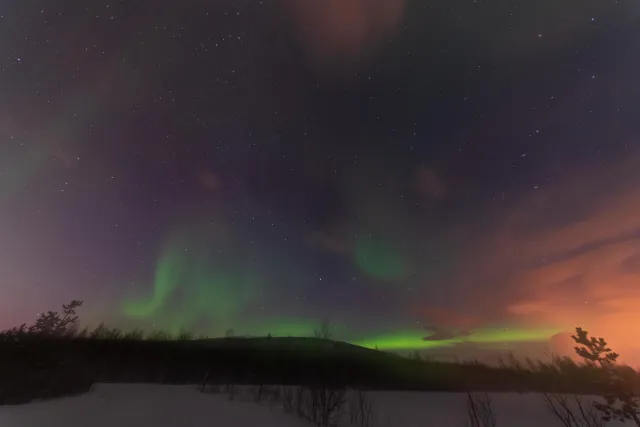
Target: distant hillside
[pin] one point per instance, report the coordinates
(50, 367)
(298, 345)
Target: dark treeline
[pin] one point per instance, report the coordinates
(52, 366)
(52, 358)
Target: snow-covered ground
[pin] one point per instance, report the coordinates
(119, 405)
(115, 405)
(411, 409)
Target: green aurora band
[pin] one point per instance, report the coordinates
(209, 289)
(379, 260)
(414, 339)
(205, 284)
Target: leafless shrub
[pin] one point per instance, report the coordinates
(231, 390)
(184, 335)
(480, 411)
(134, 335)
(82, 333)
(273, 396)
(256, 393)
(288, 399)
(319, 405)
(322, 405)
(574, 410)
(206, 386)
(159, 335)
(14, 334)
(361, 412)
(260, 392)
(100, 332)
(205, 380)
(265, 393)
(300, 402)
(54, 324)
(324, 330)
(112, 334)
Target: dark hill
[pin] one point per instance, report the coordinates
(298, 345)
(59, 366)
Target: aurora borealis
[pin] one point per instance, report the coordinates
(441, 175)
(187, 286)
(413, 340)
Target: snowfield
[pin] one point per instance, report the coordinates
(415, 409)
(119, 405)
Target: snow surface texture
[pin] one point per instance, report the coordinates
(115, 405)
(411, 409)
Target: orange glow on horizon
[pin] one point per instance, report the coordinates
(583, 270)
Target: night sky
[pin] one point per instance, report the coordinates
(446, 174)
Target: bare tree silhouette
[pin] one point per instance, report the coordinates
(621, 402)
(480, 411)
(52, 323)
(324, 330)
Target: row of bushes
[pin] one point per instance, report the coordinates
(51, 358)
(321, 405)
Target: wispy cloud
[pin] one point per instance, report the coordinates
(580, 270)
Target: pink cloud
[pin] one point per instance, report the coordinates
(428, 183)
(339, 27)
